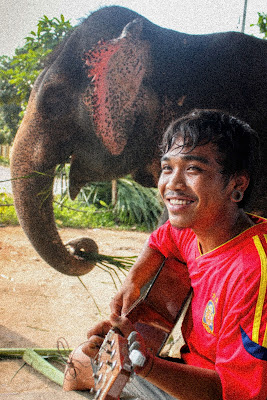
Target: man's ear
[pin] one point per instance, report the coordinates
(241, 181)
(238, 185)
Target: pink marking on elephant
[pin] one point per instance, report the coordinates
(114, 98)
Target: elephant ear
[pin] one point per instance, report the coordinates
(114, 97)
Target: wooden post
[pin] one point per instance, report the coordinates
(114, 195)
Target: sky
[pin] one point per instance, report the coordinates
(19, 17)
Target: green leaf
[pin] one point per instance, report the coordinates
(18, 73)
(103, 203)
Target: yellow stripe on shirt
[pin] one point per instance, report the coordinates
(262, 290)
(264, 343)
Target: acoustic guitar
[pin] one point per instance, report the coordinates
(154, 315)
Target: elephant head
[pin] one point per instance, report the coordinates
(104, 100)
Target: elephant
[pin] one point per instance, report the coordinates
(103, 101)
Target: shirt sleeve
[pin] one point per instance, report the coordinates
(168, 241)
(241, 357)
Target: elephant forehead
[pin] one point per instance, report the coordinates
(114, 97)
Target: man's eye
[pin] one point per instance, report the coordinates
(165, 168)
(194, 168)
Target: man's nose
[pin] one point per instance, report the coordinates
(176, 180)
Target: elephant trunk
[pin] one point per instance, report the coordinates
(32, 184)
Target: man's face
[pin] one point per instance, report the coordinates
(192, 187)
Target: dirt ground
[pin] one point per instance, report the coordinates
(39, 305)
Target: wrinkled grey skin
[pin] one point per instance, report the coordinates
(109, 116)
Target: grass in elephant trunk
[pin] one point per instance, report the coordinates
(109, 264)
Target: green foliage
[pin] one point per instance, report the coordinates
(8, 214)
(49, 34)
(262, 24)
(30, 60)
(98, 193)
(18, 74)
(77, 215)
(136, 205)
(9, 109)
(4, 161)
(67, 214)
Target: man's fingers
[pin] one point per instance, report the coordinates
(115, 306)
(92, 346)
(100, 329)
(122, 323)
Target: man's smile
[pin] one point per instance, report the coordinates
(180, 202)
(178, 199)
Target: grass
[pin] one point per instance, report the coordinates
(75, 215)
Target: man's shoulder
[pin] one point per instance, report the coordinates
(171, 240)
(168, 227)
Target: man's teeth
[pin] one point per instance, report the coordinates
(177, 202)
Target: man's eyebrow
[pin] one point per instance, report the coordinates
(191, 157)
(188, 157)
(165, 158)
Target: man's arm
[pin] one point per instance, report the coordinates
(184, 382)
(144, 269)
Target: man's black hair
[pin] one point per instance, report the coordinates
(237, 143)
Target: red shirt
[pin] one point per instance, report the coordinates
(226, 326)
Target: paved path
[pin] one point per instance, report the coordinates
(5, 176)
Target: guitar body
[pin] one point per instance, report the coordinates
(154, 316)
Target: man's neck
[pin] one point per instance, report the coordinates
(223, 231)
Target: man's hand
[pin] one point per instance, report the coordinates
(144, 269)
(124, 299)
(96, 337)
(141, 358)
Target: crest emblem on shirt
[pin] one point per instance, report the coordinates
(208, 317)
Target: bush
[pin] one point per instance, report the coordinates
(76, 215)
(135, 205)
(8, 214)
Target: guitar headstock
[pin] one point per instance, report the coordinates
(113, 367)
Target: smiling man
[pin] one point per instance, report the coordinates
(209, 165)
(196, 187)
